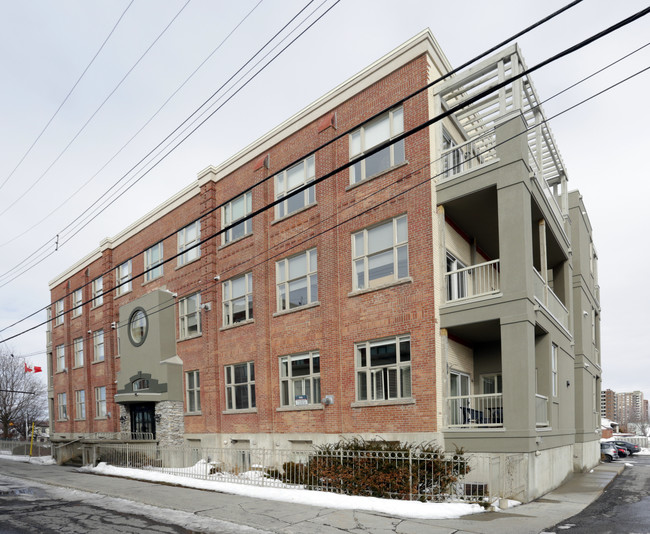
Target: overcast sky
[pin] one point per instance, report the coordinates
(45, 47)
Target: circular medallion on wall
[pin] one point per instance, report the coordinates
(138, 327)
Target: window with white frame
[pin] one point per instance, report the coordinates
(60, 358)
(300, 379)
(80, 404)
(78, 352)
(98, 291)
(192, 392)
(153, 266)
(554, 375)
(234, 211)
(384, 369)
(240, 386)
(61, 402)
(456, 278)
(188, 237)
(297, 280)
(77, 300)
(98, 346)
(300, 174)
(189, 316)
(58, 312)
(452, 159)
(491, 384)
(123, 278)
(380, 254)
(100, 401)
(238, 299)
(379, 130)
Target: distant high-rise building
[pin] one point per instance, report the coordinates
(630, 407)
(608, 405)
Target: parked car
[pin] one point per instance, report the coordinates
(630, 447)
(622, 451)
(608, 451)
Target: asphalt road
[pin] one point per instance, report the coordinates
(28, 507)
(624, 507)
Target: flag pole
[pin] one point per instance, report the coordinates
(32, 440)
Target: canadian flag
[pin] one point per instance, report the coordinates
(28, 369)
(36, 369)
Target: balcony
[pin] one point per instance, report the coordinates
(475, 411)
(474, 281)
(550, 301)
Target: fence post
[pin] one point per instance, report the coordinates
(127, 454)
(410, 474)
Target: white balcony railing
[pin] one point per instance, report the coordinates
(473, 281)
(541, 410)
(547, 298)
(471, 411)
(469, 155)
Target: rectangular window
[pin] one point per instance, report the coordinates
(300, 379)
(491, 384)
(238, 299)
(98, 291)
(78, 352)
(62, 405)
(153, 267)
(189, 316)
(240, 386)
(123, 278)
(380, 254)
(100, 401)
(77, 300)
(188, 237)
(456, 278)
(60, 358)
(80, 404)
(58, 312)
(232, 212)
(554, 368)
(370, 135)
(297, 280)
(192, 392)
(98, 346)
(384, 369)
(294, 177)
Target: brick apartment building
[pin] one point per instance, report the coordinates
(444, 288)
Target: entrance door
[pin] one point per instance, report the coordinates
(459, 391)
(143, 423)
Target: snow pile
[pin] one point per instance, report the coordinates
(410, 509)
(40, 460)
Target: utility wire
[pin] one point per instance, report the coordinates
(67, 96)
(529, 28)
(373, 207)
(214, 50)
(20, 197)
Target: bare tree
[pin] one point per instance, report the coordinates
(22, 394)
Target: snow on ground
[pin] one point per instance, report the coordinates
(410, 509)
(42, 460)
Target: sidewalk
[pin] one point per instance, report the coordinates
(273, 516)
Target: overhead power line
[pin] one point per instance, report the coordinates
(66, 97)
(380, 147)
(453, 71)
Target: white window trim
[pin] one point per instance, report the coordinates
(283, 282)
(59, 312)
(100, 402)
(361, 257)
(374, 373)
(554, 370)
(281, 184)
(498, 381)
(194, 392)
(60, 358)
(188, 256)
(98, 291)
(156, 266)
(183, 316)
(394, 131)
(288, 382)
(231, 398)
(77, 300)
(123, 276)
(228, 299)
(227, 220)
(456, 286)
(96, 352)
(62, 406)
(78, 352)
(80, 404)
